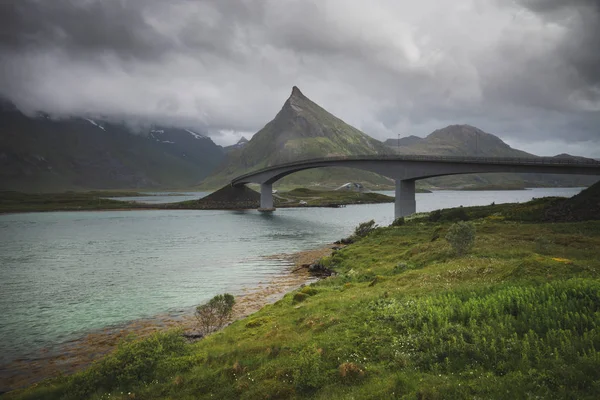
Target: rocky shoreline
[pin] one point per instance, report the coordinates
(76, 355)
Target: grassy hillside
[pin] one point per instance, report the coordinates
(332, 178)
(461, 140)
(319, 198)
(404, 317)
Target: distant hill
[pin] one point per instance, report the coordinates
(302, 130)
(581, 207)
(467, 140)
(458, 140)
(44, 154)
(240, 144)
(405, 141)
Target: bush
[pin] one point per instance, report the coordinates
(213, 315)
(309, 370)
(299, 297)
(461, 237)
(435, 216)
(398, 222)
(351, 372)
(364, 228)
(543, 245)
(133, 364)
(456, 214)
(436, 234)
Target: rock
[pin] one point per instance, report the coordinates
(318, 269)
(193, 336)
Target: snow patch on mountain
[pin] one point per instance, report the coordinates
(95, 123)
(196, 135)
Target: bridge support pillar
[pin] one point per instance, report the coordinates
(405, 203)
(266, 197)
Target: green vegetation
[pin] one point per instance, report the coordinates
(398, 221)
(363, 229)
(213, 315)
(461, 237)
(325, 198)
(403, 318)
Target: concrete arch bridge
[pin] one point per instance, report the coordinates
(406, 170)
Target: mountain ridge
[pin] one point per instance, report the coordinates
(467, 140)
(460, 140)
(40, 153)
(301, 129)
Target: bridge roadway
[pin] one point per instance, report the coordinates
(407, 169)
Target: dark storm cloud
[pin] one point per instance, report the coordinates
(81, 27)
(527, 70)
(580, 48)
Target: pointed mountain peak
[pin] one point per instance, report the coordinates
(297, 102)
(242, 140)
(296, 92)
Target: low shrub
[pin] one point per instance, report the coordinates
(299, 297)
(309, 290)
(351, 372)
(461, 237)
(364, 228)
(543, 245)
(456, 214)
(435, 216)
(309, 372)
(398, 222)
(257, 321)
(213, 315)
(133, 364)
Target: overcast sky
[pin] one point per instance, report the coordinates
(525, 70)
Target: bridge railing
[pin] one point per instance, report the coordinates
(549, 161)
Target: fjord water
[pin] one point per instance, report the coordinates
(63, 274)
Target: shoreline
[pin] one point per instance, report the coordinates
(336, 205)
(75, 355)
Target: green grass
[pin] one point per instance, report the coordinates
(404, 317)
(334, 197)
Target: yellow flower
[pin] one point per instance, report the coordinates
(562, 260)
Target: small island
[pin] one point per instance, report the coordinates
(227, 198)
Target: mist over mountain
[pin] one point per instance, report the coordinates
(39, 153)
(42, 153)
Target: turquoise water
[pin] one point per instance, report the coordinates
(66, 273)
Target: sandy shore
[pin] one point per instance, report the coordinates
(73, 356)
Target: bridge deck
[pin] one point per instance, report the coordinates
(537, 161)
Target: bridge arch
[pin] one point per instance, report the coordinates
(406, 170)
